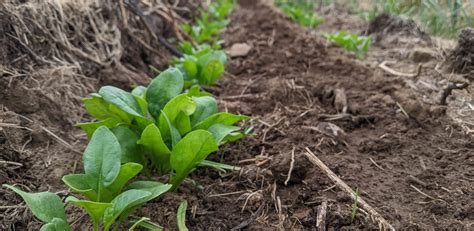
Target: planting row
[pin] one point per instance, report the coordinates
(303, 13)
(165, 129)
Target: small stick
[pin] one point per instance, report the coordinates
(11, 163)
(321, 217)
(292, 163)
(226, 194)
(403, 110)
(15, 126)
(383, 224)
(416, 180)
(449, 90)
(249, 96)
(124, 14)
(426, 195)
(63, 142)
(11, 207)
(376, 165)
(384, 67)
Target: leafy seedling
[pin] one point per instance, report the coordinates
(202, 67)
(301, 13)
(47, 207)
(351, 42)
(103, 181)
(148, 124)
(210, 23)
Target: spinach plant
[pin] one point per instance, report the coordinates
(351, 42)
(102, 185)
(162, 127)
(47, 207)
(302, 12)
(201, 66)
(210, 23)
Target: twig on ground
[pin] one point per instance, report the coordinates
(374, 215)
(321, 216)
(15, 126)
(384, 67)
(376, 165)
(61, 141)
(248, 96)
(403, 110)
(416, 180)
(449, 90)
(11, 163)
(124, 14)
(292, 163)
(347, 117)
(248, 198)
(426, 195)
(226, 194)
(12, 207)
(272, 126)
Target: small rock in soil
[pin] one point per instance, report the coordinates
(422, 55)
(239, 50)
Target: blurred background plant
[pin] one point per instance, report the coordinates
(301, 11)
(443, 18)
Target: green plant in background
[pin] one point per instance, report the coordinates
(210, 23)
(440, 17)
(445, 19)
(162, 128)
(351, 42)
(102, 184)
(301, 12)
(204, 63)
(200, 66)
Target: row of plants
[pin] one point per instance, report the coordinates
(440, 17)
(167, 128)
(303, 12)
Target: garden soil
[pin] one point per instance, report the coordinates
(403, 152)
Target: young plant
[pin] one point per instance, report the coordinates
(161, 126)
(47, 207)
(202, 66)
(351, 42)
(102, 184)
(301, 12)
(210, 23)
(355, 205)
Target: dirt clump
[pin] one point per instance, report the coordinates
(461, 59)
(385, 25)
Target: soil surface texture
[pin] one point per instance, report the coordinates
(378, 132)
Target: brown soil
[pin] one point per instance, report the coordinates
(415, 169)
(461, 59)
